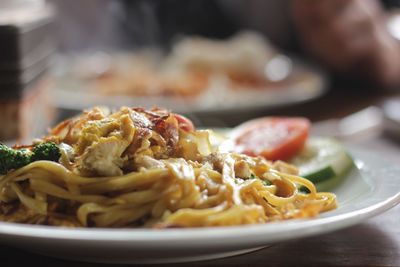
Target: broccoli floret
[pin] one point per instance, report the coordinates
(6, 158)
(22, 157)
(11, 159)
(46, 151)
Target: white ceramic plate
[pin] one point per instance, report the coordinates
(369, 189)
(306, 83)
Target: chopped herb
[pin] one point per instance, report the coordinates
(304, 189)
(238, 181)
(253, 176)
(267, 182)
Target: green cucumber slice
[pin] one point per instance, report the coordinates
(324, 161)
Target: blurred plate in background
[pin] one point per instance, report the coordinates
(198, 76)
(307, 84)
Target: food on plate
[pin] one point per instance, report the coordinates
(146, 168)
(179, 83)
(142, 73)
(242, 58)
(274, 138)
(323, 161)
(195, 66)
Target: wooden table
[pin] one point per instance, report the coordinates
(375, 242)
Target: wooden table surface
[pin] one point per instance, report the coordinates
(375, 242)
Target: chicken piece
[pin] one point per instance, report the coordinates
(148, 163)
(101, 146)
(93, 131)
(216, 160)
(242, 169)
(121, 136)
(103, 158)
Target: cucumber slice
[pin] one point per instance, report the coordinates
(323, 161)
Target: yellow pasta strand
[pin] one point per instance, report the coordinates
(175, 193)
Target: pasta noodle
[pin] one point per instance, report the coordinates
(138, 168)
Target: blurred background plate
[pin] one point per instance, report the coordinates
(304, 83)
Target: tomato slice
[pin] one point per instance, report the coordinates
(274, 138)
(184, 123)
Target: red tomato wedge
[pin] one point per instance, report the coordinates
(274, 138)
(184, 123)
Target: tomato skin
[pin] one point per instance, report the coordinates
(184, 123)
(274, 138)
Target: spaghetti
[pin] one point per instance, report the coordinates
(139, 168)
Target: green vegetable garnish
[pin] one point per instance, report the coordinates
(46, 151)
(267, 182)
(11, 159)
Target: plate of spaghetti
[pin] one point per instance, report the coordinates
(137, 185)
